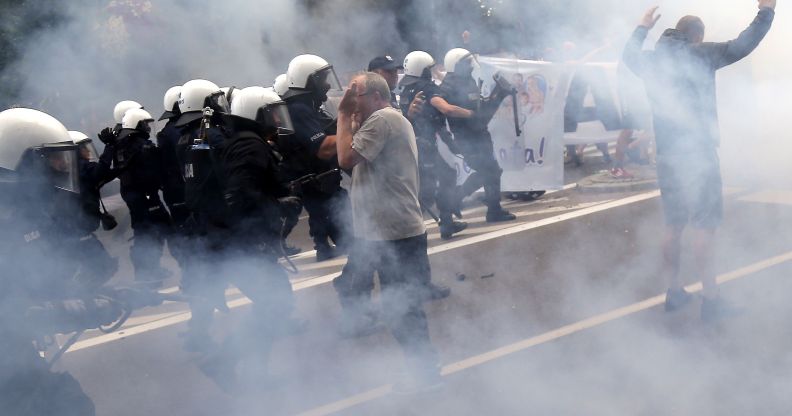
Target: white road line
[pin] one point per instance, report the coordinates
(465, 213)
(309, 283)
(549, 336)
(470, 231)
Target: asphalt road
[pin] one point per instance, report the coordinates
(568, 323)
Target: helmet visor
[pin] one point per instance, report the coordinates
(219, 102)
(325, 79)
(276, 115)
(87, 151)
(60, 165)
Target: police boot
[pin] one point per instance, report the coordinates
(498, 214)
(449, 227)
(325, 251)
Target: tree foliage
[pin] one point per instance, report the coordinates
(20, 21)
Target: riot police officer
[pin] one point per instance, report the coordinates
(437, 179)
(254, 200)
(93, 173)
(312, 151)
(39, 296)
(281, 86)
(139, 165)
(471, 136)
(167, 141)
(200, 122)
(109, 135)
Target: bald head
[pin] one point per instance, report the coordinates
(692, 27)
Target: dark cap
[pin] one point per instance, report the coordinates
(384, 62)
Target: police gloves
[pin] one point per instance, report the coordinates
(107, 136)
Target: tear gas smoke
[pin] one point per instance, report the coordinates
(110, 51)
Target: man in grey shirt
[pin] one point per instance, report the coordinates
(388, 223)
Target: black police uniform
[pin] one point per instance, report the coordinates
(326, 201)
(473, 139)
(38, 274)
(172, 180)
(251, 246)
(204, 231)
(437, 179)
(139, 166)
(99, 265)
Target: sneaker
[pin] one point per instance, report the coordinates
(500, 215)
(620, 173)
(448, 229)
(713, 310)
(437, 292)
(675, 299)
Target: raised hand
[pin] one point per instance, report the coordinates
(649, 19)
(767, 3)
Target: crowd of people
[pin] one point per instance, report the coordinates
(226, 178)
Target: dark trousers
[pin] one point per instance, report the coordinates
(150, 224)
(259, 277)
(404, 273)
(328, 217)
(478, 154)
(437, 180)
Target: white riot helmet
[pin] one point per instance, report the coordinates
(171, 102)
(197, 95)
(229, 93)
(418, 64)
(311, 74)
(122, 107)
(281, 84)
(137, 119)
(78, 137)
(86, 148)
(34, 143)
(264, 106)
(455, 56)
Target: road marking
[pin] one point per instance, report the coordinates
(465, 213)
(549, 336)
(321, 280)
(434, 236)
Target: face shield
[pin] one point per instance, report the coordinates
(60, 165)
(276, 115)
(87, 151)
(469, 66)
(219, 102)
(324, 80)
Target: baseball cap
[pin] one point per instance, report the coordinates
(384, 62)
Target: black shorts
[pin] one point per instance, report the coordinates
(691, 189)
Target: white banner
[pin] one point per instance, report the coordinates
(535, 159)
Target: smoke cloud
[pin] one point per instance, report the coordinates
(107, 51)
